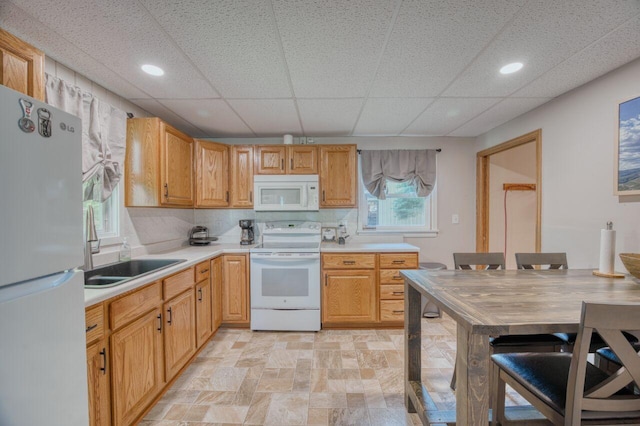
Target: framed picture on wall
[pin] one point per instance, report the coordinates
(627, 181)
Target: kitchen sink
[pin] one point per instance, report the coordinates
(121, 272)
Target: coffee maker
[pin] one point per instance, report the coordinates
(246, 236)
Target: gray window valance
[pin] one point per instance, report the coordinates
(417, 166)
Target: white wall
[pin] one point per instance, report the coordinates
(579, 131)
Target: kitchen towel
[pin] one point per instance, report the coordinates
(607, 250)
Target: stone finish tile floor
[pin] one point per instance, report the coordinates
(332, 377)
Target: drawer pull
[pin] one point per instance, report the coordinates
(91, 327)
(397, 277)
(398, 312)
(204, 271)
(349, 262)
(199, 295)
(396, 262)
(398, 293)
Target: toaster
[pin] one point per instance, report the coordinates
(199, 236)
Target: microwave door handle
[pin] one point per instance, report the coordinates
(305, 196)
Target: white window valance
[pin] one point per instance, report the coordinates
(103, 135)
(417, 166)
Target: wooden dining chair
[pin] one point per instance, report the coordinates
(565, 387)
(509, 343)
(551, 260)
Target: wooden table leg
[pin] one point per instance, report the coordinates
(472, 390)
(412, 342)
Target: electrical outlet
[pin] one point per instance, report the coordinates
(455, 219)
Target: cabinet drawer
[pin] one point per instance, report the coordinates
(133, 305)
(349, 261)
(391, 276)
(399, 260)
(202, 271)
(392, 292)
(392, 310)
(94, 322)
(178, 283)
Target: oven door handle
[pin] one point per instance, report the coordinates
(279, 259)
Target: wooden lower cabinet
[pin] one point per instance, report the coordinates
(137, 371)
(179, 332)
(216, 292)
(204, 318)
(98, 379)
(235, 289)
(349, 296)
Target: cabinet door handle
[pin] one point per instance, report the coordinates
(166, 190)
(199, 295)
(227, 197)
(398, 293)
(251, 196)
(103, 353)
(398, 262)
(282, 164)
(169, 319)
(159, 322)
(349, 262)
(398, 312)
(325, 280)
(91, 327)
(323, 199)
(292, 164)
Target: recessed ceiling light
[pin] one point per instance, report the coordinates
(152, 69)
(509, 68)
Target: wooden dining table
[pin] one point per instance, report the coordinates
(494, 303)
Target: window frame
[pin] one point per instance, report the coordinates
(429, 230)
(114, 236)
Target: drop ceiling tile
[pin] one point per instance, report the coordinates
(506, 110)
(268, 117)
(432, 41)
(212, 116)
(389, 116)
(447, 114)
(329, 117)
(610, 52)
(177, 121)
(332, 47)
(542, 35)
(234, 43)
(95, 27)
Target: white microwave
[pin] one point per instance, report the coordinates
(285, 192)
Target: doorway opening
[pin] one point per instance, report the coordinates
(500, 171)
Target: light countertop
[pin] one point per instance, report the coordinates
(193, 255)
(368, 247)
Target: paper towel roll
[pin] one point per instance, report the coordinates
(288, 139)
(607, 251)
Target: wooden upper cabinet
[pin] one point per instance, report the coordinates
(270, 159)
(158, 165)
(22, 66)
(212, 174)
(242, 176)
(338, 177)
(302, 160)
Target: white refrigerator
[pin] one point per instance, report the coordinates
(43, 371)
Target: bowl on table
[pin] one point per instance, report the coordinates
(631, 261)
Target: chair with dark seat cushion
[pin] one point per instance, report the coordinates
(565, 387)
(607, 360)
(514, 342)
(550, 260)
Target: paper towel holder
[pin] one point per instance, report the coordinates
(609, 227)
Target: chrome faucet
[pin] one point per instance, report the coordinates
(92, 236)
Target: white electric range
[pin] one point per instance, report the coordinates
(285, 277)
